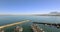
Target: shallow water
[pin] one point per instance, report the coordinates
(11, 19)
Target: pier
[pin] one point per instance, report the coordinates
(13, 24)
(35, 28)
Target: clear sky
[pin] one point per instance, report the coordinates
(29, 6)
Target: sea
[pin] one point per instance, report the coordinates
(4, 20)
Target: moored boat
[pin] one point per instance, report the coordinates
(18, 29)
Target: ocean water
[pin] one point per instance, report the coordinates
(26, 26)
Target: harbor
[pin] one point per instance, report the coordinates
(34, 27)
(29, 15)
(17, 23)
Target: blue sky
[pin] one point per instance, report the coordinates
(29, 6)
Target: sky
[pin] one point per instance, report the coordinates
(29, 6)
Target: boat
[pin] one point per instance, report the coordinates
(36, 28)
(18, 29)
(1, 30)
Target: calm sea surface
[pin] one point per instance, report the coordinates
(12, 19)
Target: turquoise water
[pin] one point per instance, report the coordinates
(11, 19)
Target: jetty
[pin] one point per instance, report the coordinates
(13, 24)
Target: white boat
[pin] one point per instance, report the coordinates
(18, 29)
(1, 30)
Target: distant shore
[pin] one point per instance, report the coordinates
(46, 15)
(33, 15)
